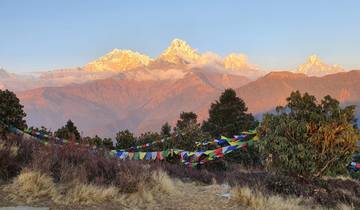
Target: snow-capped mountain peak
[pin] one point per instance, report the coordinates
(118, 61)
(315, 67)
(179, 52)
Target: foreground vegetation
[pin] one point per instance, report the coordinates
(73, 176)
(303, 150)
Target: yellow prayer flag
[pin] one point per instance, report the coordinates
(142, 155)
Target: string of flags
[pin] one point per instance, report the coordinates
(40, 135)
(143, 146)
(189, 158)
(245, 135)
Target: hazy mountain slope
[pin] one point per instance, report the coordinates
(54, 78)
(4, 74)
(271, 90)
(106, 106)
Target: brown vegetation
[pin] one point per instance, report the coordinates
(65, 177)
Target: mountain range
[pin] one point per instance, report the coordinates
(129, 90)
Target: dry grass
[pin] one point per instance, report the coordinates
(257, 200)
(160, 192)
(345, 207)
(86, 194)
(13, 149)
(341, 177)
(31, 187)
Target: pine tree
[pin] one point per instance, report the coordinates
(188, 131)
(125, 139)
(69, 131)
(166, 130)
(11, 112)
(97, 141)
(108, 143)
(228, 116)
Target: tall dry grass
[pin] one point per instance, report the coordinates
(34, 187)
(257, 200)
(31, 187)
(160, 191)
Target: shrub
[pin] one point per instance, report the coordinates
(9, 166)
(71, 162)
(14, 155)
(175, 170)
(309, 139)
(249, 158)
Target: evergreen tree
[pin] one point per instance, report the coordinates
(228, 116)
(188, 131)
(108, 143)
(69, 131)
(166, 130)
(97, 141)
(11, 112)
(124, 139)
(187, 119)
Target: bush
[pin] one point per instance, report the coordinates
(309, 139)
(9, 166)
(71, 162)
(249, 158)
(14, 155)
(175, 170)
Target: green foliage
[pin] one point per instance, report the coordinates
(228, 116)
(188, 131)
(125, 139)
(97, 141)
(11, 111)
(309, 139)
(69, 131)
(166, 130)
(149, 137)
(249, 157)
(108, 143)
(42, 130)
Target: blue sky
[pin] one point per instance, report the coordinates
(40, 35)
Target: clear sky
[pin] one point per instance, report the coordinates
(40, 35)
